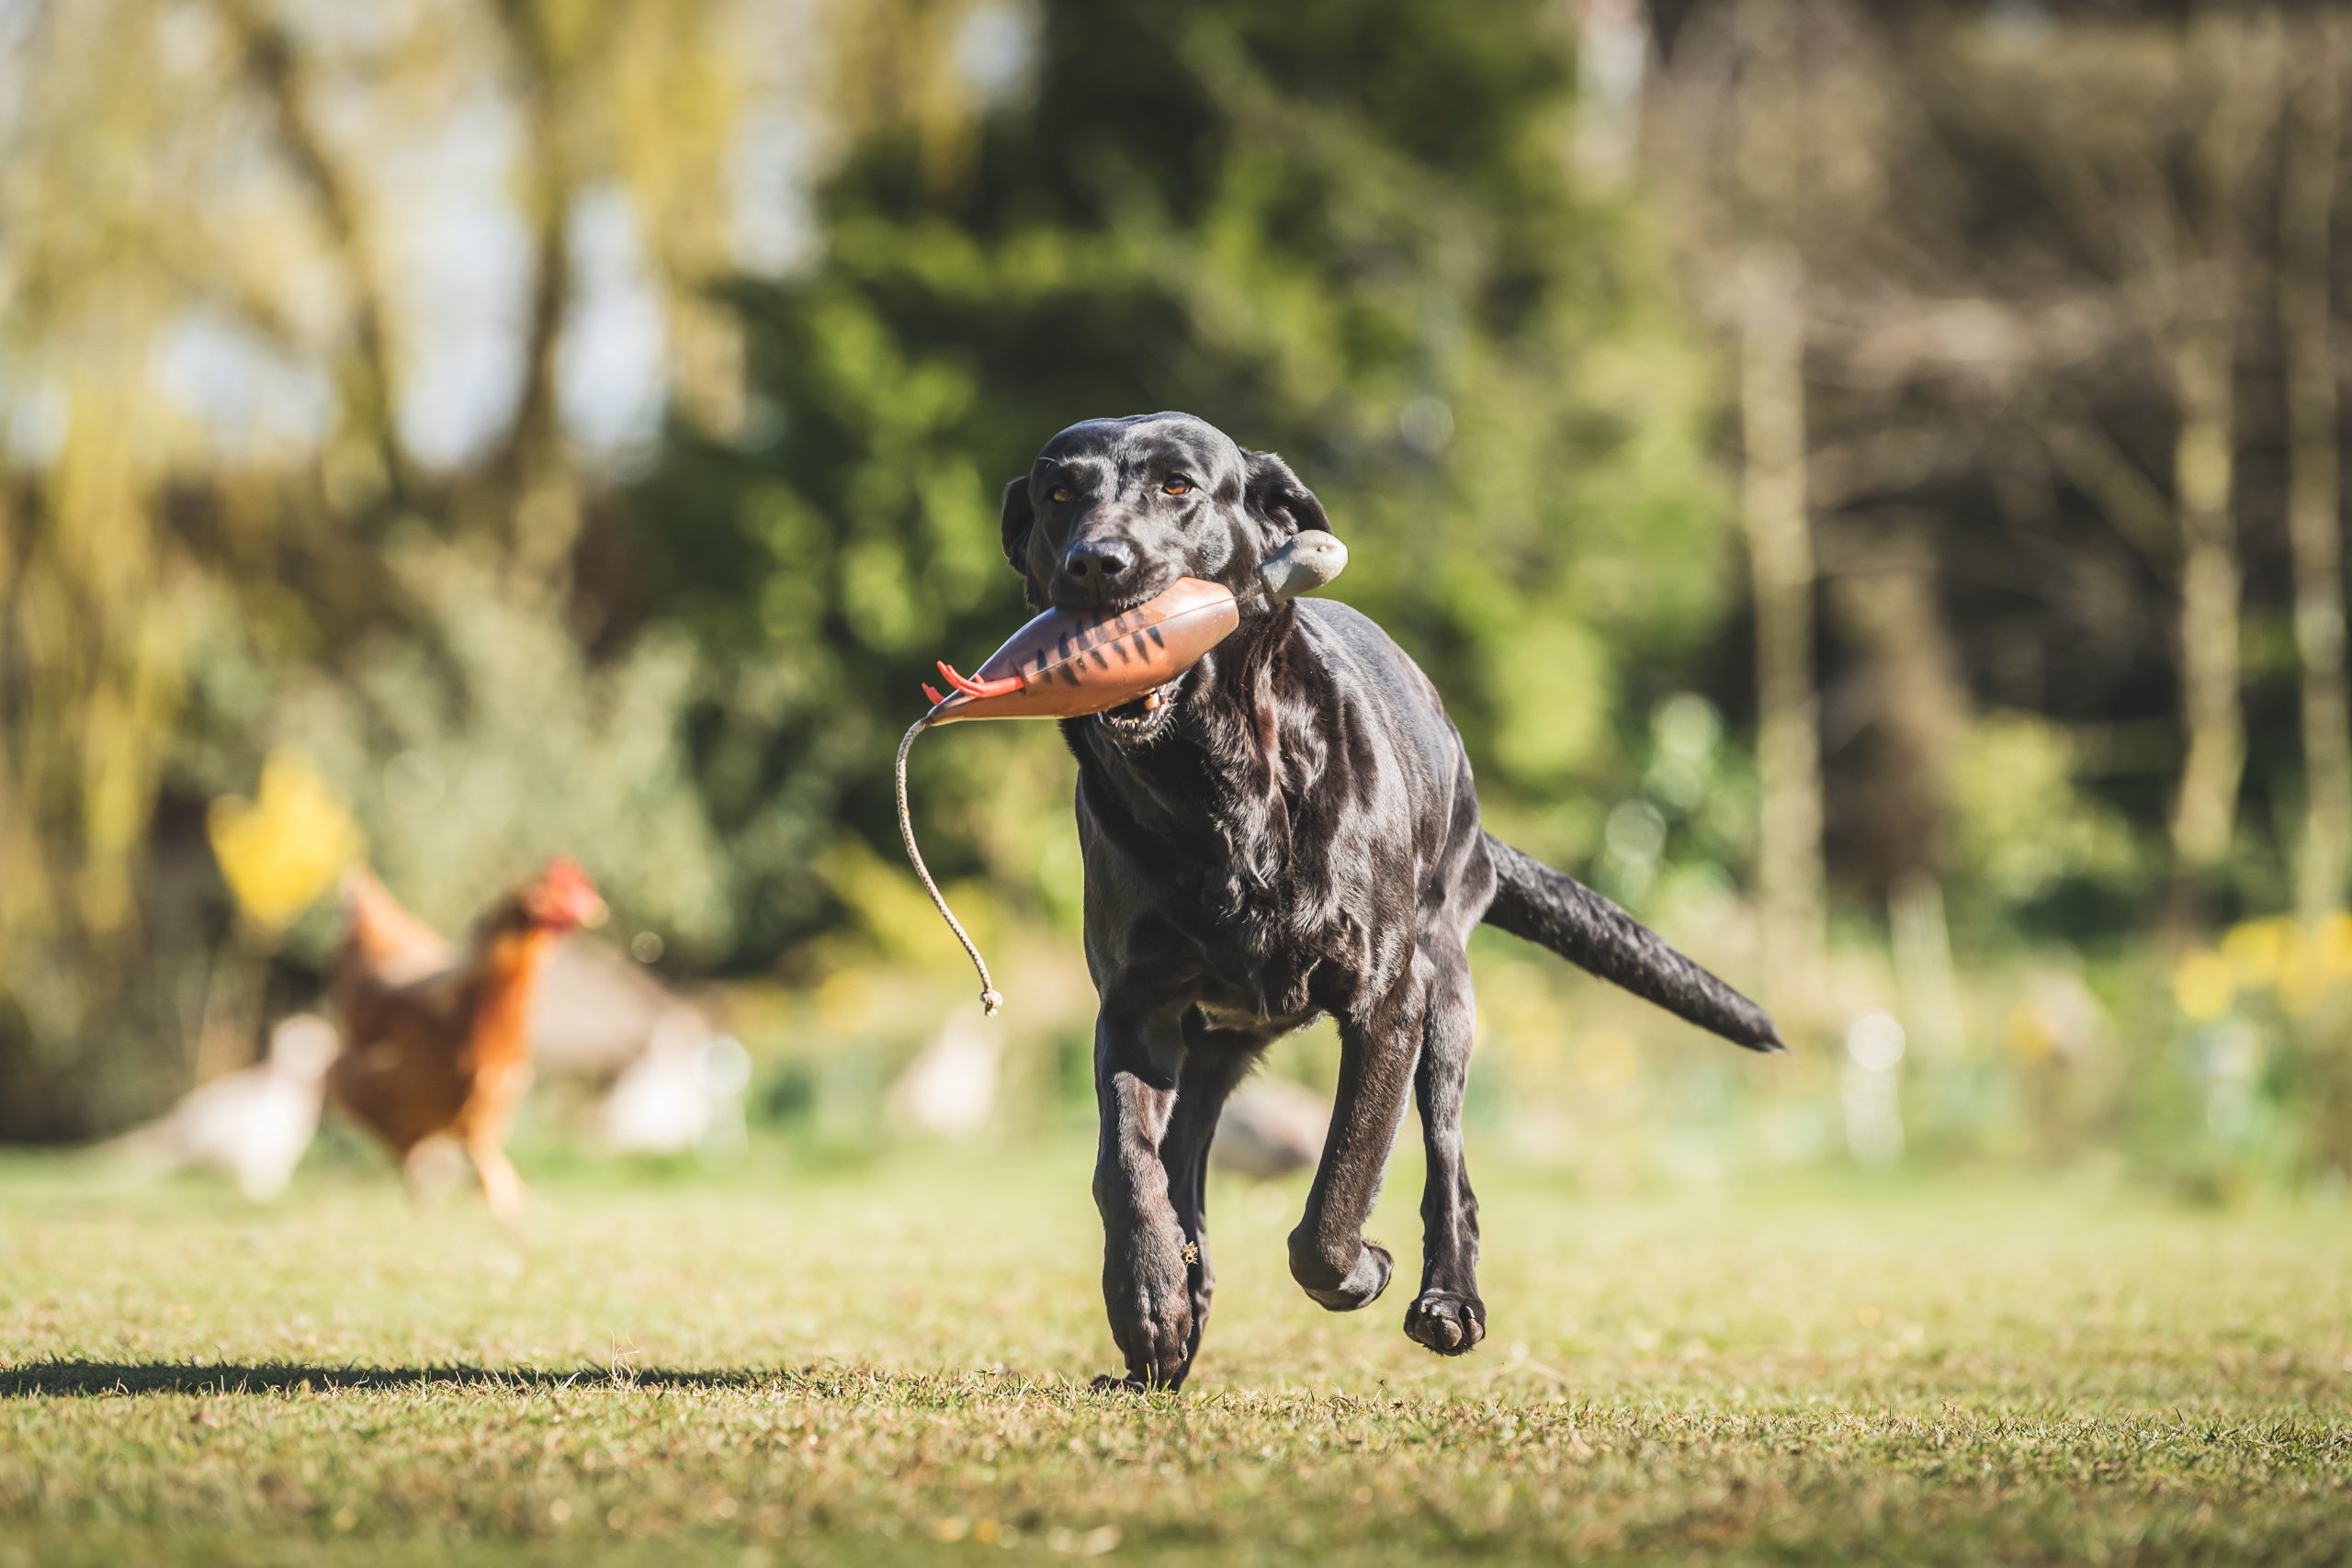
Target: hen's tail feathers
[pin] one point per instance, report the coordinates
(151, 1148)
(1555, 910)
(380, 933)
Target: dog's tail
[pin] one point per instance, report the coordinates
(1555, 910)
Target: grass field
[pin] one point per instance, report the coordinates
(777, 1369)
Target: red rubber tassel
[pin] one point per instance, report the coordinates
(1003, 686)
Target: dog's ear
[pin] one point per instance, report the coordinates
(1020, 516)
(1279, 497)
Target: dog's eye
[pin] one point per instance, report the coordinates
(1177, 485)
(1061, 493)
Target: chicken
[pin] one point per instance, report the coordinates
(684, 1094)
(949, 1090)
(383, 939)
(255, 1124)
(437, 1043)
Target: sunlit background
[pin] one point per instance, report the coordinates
(1866, 480)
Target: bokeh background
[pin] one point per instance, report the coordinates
(1867, 480)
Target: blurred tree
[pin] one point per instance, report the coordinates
(311, 446)
(1769, 310)
(101, 595)
(1763, 140)
(1347, 231)
(2030, 248)
(2312, 156)
(2137, 193)
(215, 216)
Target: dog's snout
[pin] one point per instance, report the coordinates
(1099, 562)
(1100, 569)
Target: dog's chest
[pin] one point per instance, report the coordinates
(1242, 859)
(1274, 943)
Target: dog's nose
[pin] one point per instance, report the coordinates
(1099, 563)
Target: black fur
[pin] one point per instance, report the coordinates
(1554, 910)
(1293, 833)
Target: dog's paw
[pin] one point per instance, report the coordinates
(1447, 1323)
(1360, 1287)
(1110, 1382)
(1152, 1318)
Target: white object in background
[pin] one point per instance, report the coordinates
(685, 1093)
(1270, 1128)
(255, 1124)
(601, 1011)
(949, 1090)
(1612, 56)
(1873, 1107)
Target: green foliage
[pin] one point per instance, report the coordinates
(1341, 231)
(2026, 829)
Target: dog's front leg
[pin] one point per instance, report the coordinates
(1147, 1279)
(1213, 1063)
(1328, 1255)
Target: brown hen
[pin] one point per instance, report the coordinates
(436, 1044)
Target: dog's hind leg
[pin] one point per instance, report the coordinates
(1328, 1256)
(1213, 1063)
(1447, 1316)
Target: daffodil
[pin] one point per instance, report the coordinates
(2256, 949)
(2203, 985)
(279, 850)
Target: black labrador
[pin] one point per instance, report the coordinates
(1286, 830)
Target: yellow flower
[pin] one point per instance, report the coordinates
(2335, 943)
(2256, 949)
(279, 850)
(845, 1001)
(2203, 985)
(2029, 1033)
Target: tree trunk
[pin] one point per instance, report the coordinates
(2314, 492)
(1883, 593)
(2205, 815)
(1880, 587)
(2246, 51)
(363, 376)
(530, 481)
(1781, 558)
(1769, 302)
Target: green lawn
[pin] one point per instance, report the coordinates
(788, 1368)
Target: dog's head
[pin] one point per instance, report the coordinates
(1114, 510)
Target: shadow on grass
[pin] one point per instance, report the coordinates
(57, 1380)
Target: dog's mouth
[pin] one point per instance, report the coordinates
(1080, 603)
(1136, 721)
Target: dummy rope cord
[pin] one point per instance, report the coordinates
(990, 998)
